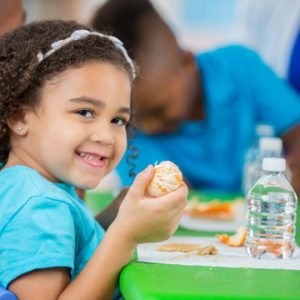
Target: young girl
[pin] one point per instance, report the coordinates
(64, 104)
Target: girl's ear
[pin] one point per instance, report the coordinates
(17, 124)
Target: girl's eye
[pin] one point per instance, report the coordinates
(120, 121)
(86, 113)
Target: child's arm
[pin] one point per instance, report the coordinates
(292, 143)
(140, 219)
(107, 216)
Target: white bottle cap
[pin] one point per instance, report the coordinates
(264, 130)
(270, 144)
(273, 164)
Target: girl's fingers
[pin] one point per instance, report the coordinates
(141, 181)
(177, 198)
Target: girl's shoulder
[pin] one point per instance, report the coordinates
(21, 185)
(27, 182)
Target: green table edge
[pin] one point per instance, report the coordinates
(203, 282)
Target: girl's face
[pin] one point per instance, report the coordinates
(77, 133)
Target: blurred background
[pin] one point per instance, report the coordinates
(198, 23)
(268, 26)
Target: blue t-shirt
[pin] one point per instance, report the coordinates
(294, 63)
(240, 91)
(42, 225)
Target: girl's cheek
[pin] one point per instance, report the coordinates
(122, 145)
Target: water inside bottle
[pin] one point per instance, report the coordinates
(271, 222)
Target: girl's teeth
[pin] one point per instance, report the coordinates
(89, 157)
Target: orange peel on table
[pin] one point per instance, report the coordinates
(216, 209)
(167, 178)
(236, 240)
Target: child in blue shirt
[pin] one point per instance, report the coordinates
(64, 108)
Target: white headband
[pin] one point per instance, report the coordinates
(81, 34)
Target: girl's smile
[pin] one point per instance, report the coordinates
(95, 160)
(77, 132)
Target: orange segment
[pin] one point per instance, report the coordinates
(236, 240)
(223, 238)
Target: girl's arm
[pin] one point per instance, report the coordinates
(96, 281)
(107, 216)
(139, 220)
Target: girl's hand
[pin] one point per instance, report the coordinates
(143, 219)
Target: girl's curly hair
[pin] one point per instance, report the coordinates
(22, 77)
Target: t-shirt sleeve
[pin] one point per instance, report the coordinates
(276, 102)
(40, 235)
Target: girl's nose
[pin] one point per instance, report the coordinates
(103, 136)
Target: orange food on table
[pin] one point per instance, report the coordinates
(223, 238)
(215, 209)
(236, 240)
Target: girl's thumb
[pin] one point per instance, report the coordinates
(142, 180)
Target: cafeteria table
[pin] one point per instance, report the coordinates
(153, 281)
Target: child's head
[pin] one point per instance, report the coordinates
(12, 15)
(165, 90)
(64, 106)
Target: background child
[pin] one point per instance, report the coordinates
(12, 15)
(200, 111)
(64, 106)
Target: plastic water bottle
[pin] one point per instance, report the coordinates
(261, 130)
(264, 130)
(252, 153)
(271, 213)
(267, 147)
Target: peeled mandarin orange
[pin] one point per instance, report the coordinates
(167, 177)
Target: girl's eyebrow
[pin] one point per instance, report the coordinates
(88, 100)
(97, 103)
